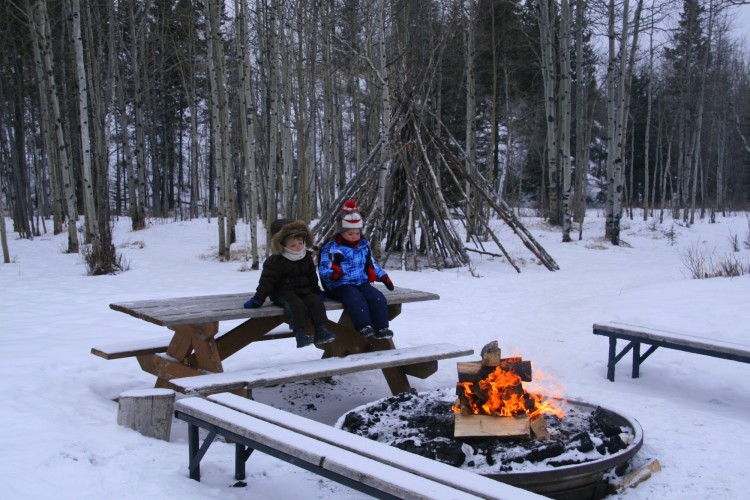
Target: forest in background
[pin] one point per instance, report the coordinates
(240, 110)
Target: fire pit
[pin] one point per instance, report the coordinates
(585, 448)
(491, 425)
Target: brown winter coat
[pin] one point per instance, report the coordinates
(281, 275)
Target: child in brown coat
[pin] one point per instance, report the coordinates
(290, 279)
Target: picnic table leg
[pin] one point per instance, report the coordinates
(348, 342)
(612, 358)
(191, 349)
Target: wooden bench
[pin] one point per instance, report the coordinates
(374, 468)
(319, 368)
(196, 346)
(657, 337)
(137, 348)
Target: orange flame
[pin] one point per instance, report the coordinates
(502, 394)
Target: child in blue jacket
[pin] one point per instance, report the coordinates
(347, 267)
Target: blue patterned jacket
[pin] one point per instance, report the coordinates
(353, 262)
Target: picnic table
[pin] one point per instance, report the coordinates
(197, 348)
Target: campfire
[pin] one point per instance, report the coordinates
(489, 424)
(491, 399)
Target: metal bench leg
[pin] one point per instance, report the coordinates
(636, 359)
(197, 452)
(612, 358)
(241, 454)
(194, 465)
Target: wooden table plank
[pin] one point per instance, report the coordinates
(194, 310)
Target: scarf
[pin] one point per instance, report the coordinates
(351, 244)
(292, 255)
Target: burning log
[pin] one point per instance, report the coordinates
(491, 426)
(491, 400)
(474, 371)
(491, 354)
(539, 427)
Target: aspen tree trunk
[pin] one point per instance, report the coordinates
(289, 180)
(3, 235)
(696, 150)
(138, 203)
(213, 39)
(582, 122)
(46, 118)
(91, 223)
(509, 136)
(311, 136)
(471, 120)
(227, 167)
(337, 177)
(127, 151)
(647, 128)
(66, 168)
(247, 126)
(618, 72)
(492, 157)
(302, 117)
(194, 153)
(273, 125)
(384, 123)
(564, 117)
(547, 16)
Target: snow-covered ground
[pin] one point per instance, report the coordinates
(61, 439)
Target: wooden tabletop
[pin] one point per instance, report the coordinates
(209, 308)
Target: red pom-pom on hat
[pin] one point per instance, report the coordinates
(349, 206)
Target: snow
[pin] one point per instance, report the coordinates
(59, 415)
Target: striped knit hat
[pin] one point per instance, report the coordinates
(351, 218)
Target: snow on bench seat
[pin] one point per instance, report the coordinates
(135, 348)
(376, 473)
(461, 479)
(318, 368)
(659, 337)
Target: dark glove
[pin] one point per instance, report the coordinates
(336, 272)
(253, 303)
(371, 276)
(323, 296)
(387, 282)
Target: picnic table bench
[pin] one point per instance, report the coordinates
(658, 337)
(197, 348)
(374, 468)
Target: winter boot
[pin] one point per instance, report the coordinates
(366, 331)
(383, 333)
(303, 339)
(323, 335)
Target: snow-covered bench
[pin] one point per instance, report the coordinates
(374, 468)
(657, 337)
(388, 361)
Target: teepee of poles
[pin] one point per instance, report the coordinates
(417, 225)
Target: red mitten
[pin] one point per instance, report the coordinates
(336, 272)
(371, 277)
(387, 282)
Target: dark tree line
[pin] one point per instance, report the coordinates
(254, 110)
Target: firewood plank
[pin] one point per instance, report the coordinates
(491, 426)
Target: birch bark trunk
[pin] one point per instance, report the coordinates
(247, 126)
(549, 76)
(91, 224)
(66, 168)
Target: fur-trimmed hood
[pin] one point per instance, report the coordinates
(282, 229)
